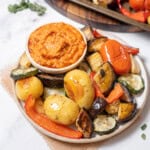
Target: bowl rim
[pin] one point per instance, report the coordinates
(57, 70)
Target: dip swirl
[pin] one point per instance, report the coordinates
(56, 45)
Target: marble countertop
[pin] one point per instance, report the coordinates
(15, 132)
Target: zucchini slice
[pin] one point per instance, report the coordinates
(104, 124)
(133, 82)
(20, 73)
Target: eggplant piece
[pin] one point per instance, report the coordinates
(51, 81)
(105, 78)
(97, 107)
(126, 97)
(95, 44)
(84, 123)
(104, 124)
(113, 108)
(95, 61)
(84, 66)
(88, 33)
(126, 112)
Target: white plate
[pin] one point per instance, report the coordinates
(141, 100)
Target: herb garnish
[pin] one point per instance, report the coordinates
(143, 136)
(143, 127)
(26, 4)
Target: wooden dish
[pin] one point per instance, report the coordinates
(88, 14)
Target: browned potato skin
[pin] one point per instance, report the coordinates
(78, 87)
(61, 109)
(28, 86)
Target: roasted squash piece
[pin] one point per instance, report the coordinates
(95, 61)
(105, 78)
(95, 44)
(126, 111)
(84, 123)
(113, 108)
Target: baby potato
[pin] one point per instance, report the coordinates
(28, 86)
(78, 87)
(61, 109)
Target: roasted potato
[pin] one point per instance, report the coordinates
(78, 87)
(61, 109)
(28, 86)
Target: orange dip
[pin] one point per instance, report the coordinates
(56, 45)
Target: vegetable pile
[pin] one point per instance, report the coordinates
(138, 10)
(95, 98)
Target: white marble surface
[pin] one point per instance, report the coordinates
(15, 132)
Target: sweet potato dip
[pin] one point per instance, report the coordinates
(56, 45)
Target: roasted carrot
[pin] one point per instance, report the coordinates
(44, 122)
(115, 53)
(115, 94)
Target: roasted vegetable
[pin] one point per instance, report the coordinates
(24, 61)
(104, 124)
(84, 66)
(52, 81)
(21, 73)
(117, 55)
(39, 105)
(126, 111)
(112, 108)
(61, 109)
(95, 44)
(135, 68)
(87, 31)
(97, 107)
(28, 86)
(105, 78)
(133, 82)
(95, 61)
(78, 87)
(126, 97)
(115, 94)
(84, 123)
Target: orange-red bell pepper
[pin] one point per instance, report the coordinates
(115, 53)
(140, 15)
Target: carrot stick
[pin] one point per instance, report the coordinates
(44, 122)
(115, 94)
